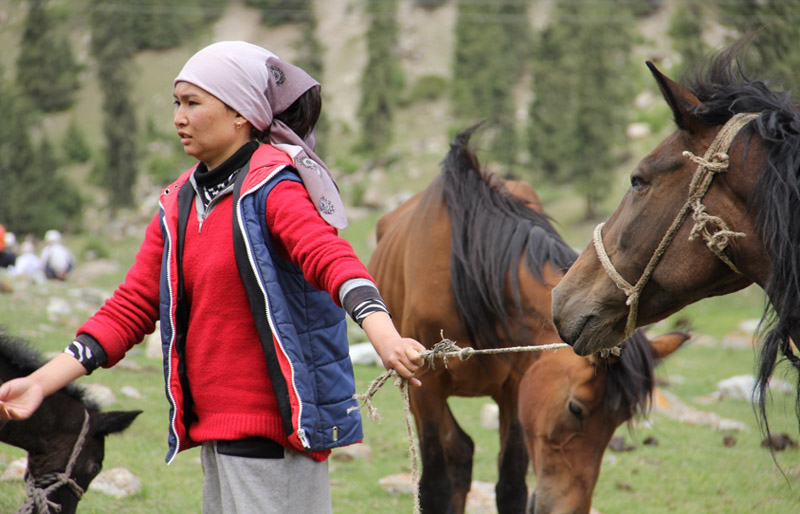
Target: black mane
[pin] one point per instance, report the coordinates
(21, 356)
(491, 231)
(630, 379)
(725, 91)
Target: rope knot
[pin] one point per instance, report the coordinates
(717, 163)
(445, 349)
(605, 353)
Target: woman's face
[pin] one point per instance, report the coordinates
(209, 130)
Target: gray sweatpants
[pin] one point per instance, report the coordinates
(296, 484)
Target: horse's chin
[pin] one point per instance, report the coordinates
(595, 334)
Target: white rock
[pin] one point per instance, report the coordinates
(364, 353)
(638, 130)
(130, 392)
(15, 470)
(100, 394)
(396, 484)
(490, 416)
(353, 452)
(749, 325)
(58, 308)
(740, 387)
(129, 365)
(116, 482)
(481, 498)
(153, 345)
(673, 407)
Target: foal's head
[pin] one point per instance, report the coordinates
(65, 437)
(570, 407)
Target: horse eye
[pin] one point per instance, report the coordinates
(638, 183)
(95, 468)
(575, 409)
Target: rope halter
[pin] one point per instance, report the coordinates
(40, 488)
(714, 161)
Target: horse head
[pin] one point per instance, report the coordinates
(64, 438)
(570, 407)
(685, 229)
(65, 441)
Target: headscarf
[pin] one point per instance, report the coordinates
(259, 85)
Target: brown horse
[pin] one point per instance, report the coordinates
(65, 437)
(472, 257)
(746, 225)
(570, 406)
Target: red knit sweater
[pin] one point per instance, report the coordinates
(225, 363)
(227, 371)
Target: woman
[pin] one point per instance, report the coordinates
(245, 270)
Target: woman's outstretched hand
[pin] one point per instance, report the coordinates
(401, 354)
(19, 398)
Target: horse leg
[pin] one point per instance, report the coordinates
(511, 492)
(446, 454)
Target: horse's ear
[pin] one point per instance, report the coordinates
(665, 344)
(115, 421)
(680, 99)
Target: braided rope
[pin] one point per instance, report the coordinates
(39, 489)
(444, 349)
(714, 161)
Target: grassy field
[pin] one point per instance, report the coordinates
(690, 470)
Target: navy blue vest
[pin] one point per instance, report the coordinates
(310, 331)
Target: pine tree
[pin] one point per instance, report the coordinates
(113, 48)
(55, 202)
(277, 12)
(47, 71)
(311, 59)
(430, 4)
(76, 147)
(382, 79)
(686, 33)
(35, 196)
(774, 52)
(160, 25)
(582, 96)
(490, 52)
(16, 157)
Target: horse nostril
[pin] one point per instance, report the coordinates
(562, 335)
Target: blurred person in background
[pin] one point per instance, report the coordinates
(57, 260)
(8, 248)
(28, 263)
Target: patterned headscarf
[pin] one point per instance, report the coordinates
(258, 85)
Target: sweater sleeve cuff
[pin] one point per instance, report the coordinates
(360, 298)
(88, 352)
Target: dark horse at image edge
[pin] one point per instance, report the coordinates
(65, 423)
